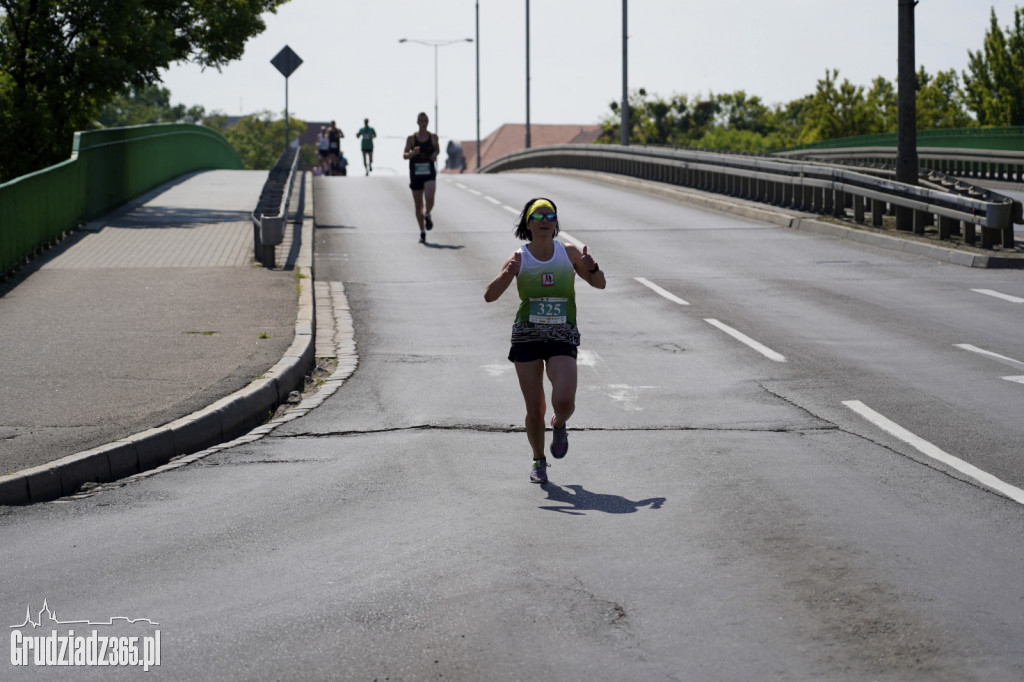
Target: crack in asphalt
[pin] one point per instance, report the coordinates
(483, 428)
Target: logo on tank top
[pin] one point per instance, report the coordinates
(547, 279)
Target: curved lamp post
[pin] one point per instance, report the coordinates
(435, 44)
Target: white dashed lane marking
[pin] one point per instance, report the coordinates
(996, 294)
(930, 450)
(997, 357)
(743, 338)
(661, 292)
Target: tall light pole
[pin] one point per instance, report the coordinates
(624, 124)
(436, 44)
(477, 46)
(527, 74)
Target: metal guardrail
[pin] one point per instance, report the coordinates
(800, 185)
(271, 212)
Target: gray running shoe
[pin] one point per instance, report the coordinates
(539, 471)
(559, 440)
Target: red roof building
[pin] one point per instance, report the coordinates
(511, 137)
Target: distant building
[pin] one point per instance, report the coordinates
(511, 137)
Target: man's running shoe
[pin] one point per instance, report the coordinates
(539, 471)
(423, 237)
(427, 221)
(559, 440)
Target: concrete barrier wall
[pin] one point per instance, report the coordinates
(107, 168)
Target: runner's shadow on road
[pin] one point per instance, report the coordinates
(581, 500)
(431, 245)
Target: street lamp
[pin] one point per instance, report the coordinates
(435, 44)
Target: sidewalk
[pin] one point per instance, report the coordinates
(150, 334)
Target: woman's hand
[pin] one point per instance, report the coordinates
(585, 269)
(587, 261)
(496, 287)
(512, 265)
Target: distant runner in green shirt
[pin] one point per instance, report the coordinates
(366, 134)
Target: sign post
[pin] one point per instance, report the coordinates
(286, 61)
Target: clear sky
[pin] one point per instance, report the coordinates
(354, 66)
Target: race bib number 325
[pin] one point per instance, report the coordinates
(548, 310)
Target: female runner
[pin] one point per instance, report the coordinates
(544, 334)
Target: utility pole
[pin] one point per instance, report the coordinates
(906, 130)
(624, 124)
(478, 84)
(527, 74)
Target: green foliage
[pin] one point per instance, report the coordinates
(734, 121)
(837, 110)
(941, 102)
(991, 93)
(258, 139)
(148, 104)
(994, 80)
(62, 60)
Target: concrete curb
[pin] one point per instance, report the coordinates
(801, 221)
(225, 420)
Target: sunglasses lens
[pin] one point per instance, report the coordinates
(550, 217)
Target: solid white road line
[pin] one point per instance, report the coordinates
(739, 336)
(661, 292)
(990, 354)
(1005, 297)
(926, 448)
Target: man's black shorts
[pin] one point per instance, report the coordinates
(540, 350)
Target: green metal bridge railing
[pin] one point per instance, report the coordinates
(1005, 138)
(107, 168)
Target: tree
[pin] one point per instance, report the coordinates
(882, 98)
(258, 139)
(62, 60)
(149, 104)
(994, 80)
(941, 102)
(654, 120)
(738, 111)
(838, 111)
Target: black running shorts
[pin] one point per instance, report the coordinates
(416, 182)
(540, 350)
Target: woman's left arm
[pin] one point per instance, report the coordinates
(585, 266)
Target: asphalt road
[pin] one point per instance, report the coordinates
(732, 506)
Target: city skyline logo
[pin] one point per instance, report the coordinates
(61, 646)
(52, 618)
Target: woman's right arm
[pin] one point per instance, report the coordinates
(496, 287)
